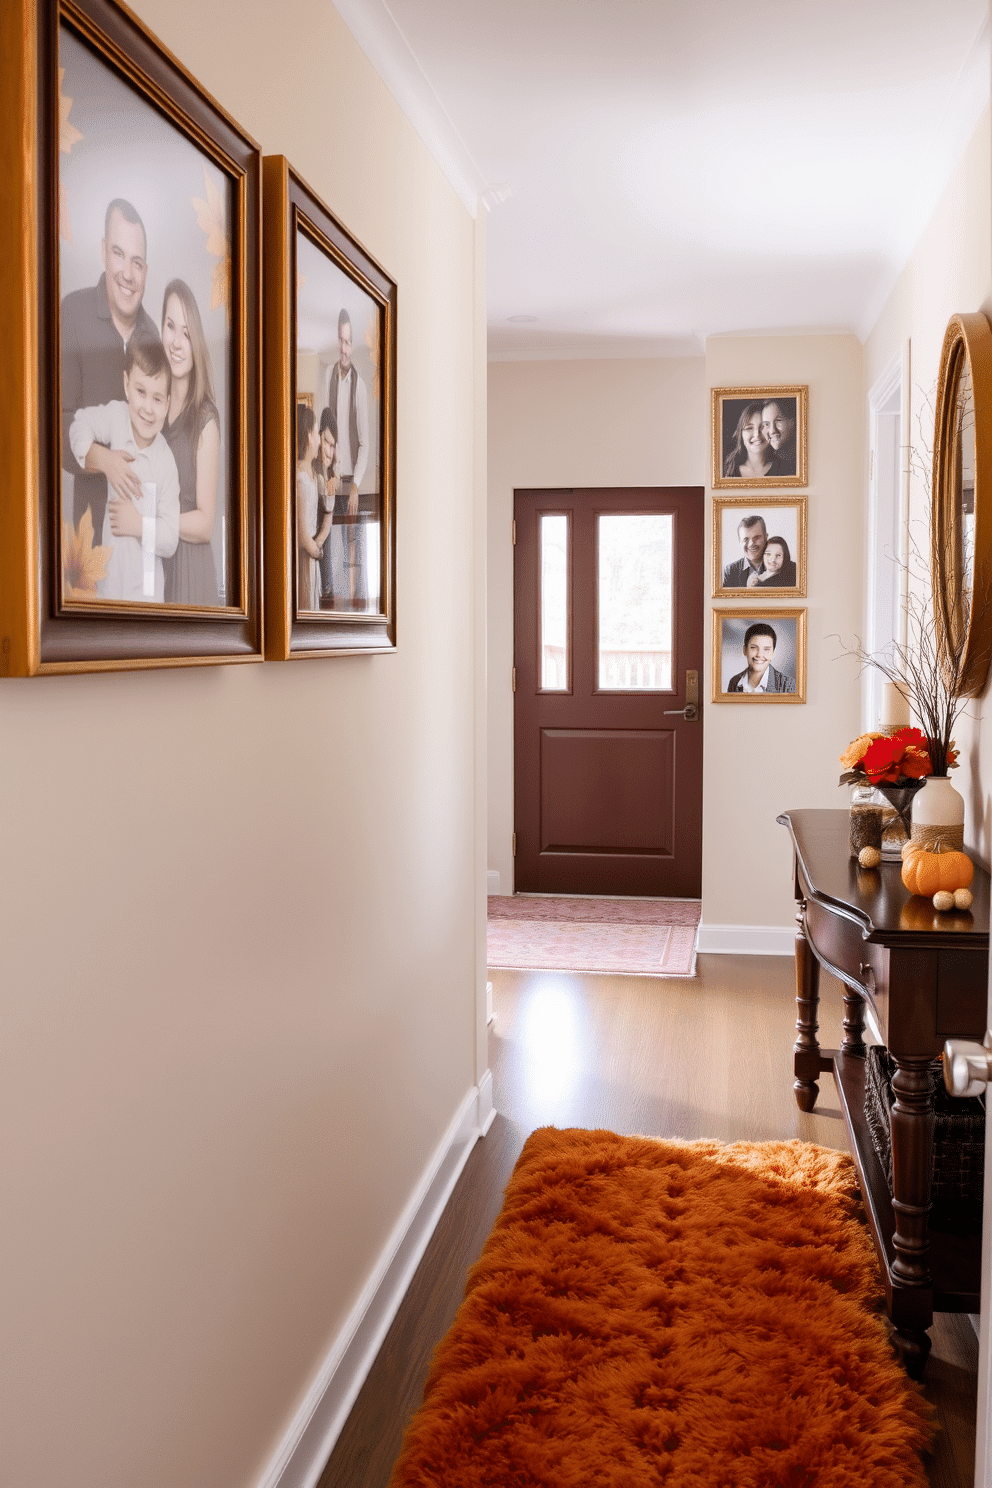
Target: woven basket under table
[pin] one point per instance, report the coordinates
(958, 1173)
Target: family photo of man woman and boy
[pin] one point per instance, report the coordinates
(338, 437)
(145, 350)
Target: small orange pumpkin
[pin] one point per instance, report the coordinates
(927, 870)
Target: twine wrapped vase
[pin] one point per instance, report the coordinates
(938, 814)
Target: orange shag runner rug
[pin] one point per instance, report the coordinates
(650, 1312)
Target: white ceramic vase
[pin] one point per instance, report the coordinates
(938, 813)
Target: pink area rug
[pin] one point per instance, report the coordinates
(639, 937)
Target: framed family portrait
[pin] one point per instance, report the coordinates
(759, 657)
(759, 437)
(330, 328)
(130, 518)
(759, 547)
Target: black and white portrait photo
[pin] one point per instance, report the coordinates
(759, 547)
(338, 438)
(759, 657)
(145, 350)
(759, 436)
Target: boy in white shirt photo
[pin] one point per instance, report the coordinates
(141, 523)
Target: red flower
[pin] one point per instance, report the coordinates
(901, 755)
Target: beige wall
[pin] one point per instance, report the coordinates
(950, 271)
(239, 905)
(545, 423)
(581, 423)
(760, 761)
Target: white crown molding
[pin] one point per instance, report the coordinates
(374, 27)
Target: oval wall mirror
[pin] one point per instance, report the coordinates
(961, 529)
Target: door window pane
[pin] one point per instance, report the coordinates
(635, 602)
(554, 602)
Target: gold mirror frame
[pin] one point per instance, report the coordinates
(963, 627)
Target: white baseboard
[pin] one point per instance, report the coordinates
(492, 881)
(487, 1111)
(746, 940)
(302, 1454)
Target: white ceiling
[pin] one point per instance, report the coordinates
(658, 171)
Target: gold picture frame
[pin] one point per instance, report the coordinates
(775, 453)
(92, 96)
(734, 629)
(781, 521)
(330, 380)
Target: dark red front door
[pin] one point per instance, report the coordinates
(608, 651)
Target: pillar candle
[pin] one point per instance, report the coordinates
(895, 706)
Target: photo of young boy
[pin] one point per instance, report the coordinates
(759, 675)
(773, 650)
(140, 531)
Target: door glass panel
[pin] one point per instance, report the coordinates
(554, 602)
(635, 602)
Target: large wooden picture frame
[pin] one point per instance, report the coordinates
(130, 371)
(759, 437)
(330, 422)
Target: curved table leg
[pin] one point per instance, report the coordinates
(806, 1048)
(912, 1347)
(912, 1157)
(854, 1023)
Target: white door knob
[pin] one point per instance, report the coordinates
(967, 1066)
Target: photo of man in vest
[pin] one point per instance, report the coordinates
(347, 397)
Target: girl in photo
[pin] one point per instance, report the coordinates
(779, 566)
(307, 552)
(192, 430)
(327, 539)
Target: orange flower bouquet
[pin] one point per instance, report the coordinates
(901, 759)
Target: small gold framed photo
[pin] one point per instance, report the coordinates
(759, 658)
(759, 437)
(759, 547)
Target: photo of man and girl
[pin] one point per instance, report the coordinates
(758, 548)
(759, 659)
(338, 439)
(759, 436)
(145, 350)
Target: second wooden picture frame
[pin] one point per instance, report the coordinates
(329, 314)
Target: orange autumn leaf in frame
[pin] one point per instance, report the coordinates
(83, 565)
(69, 135)
(211, 218)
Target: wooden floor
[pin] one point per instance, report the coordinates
(707, 1057)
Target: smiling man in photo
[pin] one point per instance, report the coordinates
(752, 535)
(96, 327)
(779, 428)
(759, 675)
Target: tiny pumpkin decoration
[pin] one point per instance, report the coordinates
(963, 899)
(928, 870)
(869, 857)
(943, 900)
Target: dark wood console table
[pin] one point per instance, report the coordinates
(925, 978)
